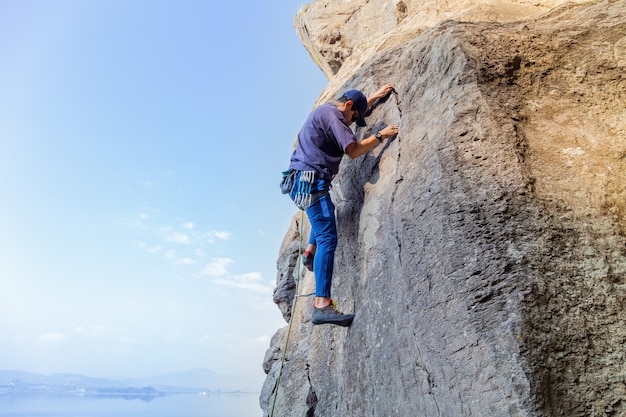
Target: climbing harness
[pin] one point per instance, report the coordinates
(303, 182)
(293, 310)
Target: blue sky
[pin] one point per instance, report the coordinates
(141, 145)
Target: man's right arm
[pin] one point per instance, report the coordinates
(356, 149)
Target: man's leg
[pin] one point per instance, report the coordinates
(322, 218)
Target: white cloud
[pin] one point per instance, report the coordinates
(252, 281)
(168, 241)
(186, 261)
(217, 267)
(250, 277)
(145, 246)
(141, 216)
(263, 339)
(141, 222)
(222, 235)
(155, 249)
(178, 237)
(52, 337)
(138, 223)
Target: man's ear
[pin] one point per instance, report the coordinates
(348, 105)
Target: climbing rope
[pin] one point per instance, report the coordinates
(293, 310)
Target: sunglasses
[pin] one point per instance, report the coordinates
(355, 115)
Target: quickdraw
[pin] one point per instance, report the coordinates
(303, 198)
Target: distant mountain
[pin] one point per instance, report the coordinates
(31, 378)
(194, 380)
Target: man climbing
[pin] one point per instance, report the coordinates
(323, 140)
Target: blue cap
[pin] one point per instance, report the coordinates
(360, 102)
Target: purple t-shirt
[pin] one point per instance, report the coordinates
(322, 141)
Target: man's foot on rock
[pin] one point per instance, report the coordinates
(328, 315)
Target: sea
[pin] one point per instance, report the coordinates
(175, 405)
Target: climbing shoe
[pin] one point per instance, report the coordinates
(307, 260)
(329, 315)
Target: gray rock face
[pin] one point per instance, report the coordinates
(484, 249)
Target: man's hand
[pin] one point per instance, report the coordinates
(384, 91)
(389, 131)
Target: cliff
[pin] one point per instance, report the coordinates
(483, 250)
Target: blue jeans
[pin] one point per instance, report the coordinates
(321, 215)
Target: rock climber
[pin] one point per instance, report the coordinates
(323, 140)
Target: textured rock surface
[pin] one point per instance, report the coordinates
(351, 31)
(484, 249)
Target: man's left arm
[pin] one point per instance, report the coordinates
(384, 91)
